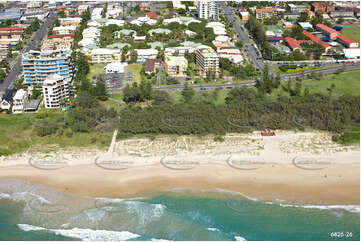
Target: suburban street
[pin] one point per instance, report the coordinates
(32, 44)
(248, 46)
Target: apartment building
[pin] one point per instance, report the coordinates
(265, 12)
(38, 65)
(176, 66)
(12, 33)
(4, 48)
(330, 32)
(105, 56)
(144, 54)
(64, 30)
(19, 100)
(207, 61)
(97, 13)
(298, 8)
(70, 21)
(322, 7)
(342, 13)
(83, 8)
(208, 9)
(56, 91)
(57, 44)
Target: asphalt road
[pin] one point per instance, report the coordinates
(32, 44)
(254, 83)
(248, 46)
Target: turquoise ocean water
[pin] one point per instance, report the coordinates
(32, 212)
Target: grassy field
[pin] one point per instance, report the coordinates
(115, 101)
(95, 69)
(18, 134)
(135, 70)
(352, 31)
(347, 82)
(202, 95)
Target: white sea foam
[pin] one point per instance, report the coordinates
(213, 229)
(5, 196)
(239, 238)
(349, 208)
(85, 234)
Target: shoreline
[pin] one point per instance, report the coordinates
(299, 168)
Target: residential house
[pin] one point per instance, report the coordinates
(152, 15)
(7, 99)
(244, 16)
(19, 100)
(151, 65)
(83, 8)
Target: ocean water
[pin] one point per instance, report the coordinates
(33, 212)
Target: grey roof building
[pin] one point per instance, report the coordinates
(10, 13)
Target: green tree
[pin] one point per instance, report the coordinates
(188, 94)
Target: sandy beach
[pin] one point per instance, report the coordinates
(299, 168)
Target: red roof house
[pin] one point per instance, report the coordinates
(330, 32)
(349, 43)
(316, 40)
(292, 43)
(152, 15)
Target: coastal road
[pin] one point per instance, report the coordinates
(254, 83)
(33, 43)
(250, 83)
(248, 45)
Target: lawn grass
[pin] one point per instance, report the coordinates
(352, 31)
(95, 69)
(347, 82)
(135, 70)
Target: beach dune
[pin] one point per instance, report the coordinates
(299, 168)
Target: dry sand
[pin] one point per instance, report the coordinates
(302, 168)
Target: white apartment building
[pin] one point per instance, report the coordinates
(207, 61)
(97, 13)
(208, 9)
(144, 54)
(64, 30)
(19, 100)
(105, 55)
(55, 90)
